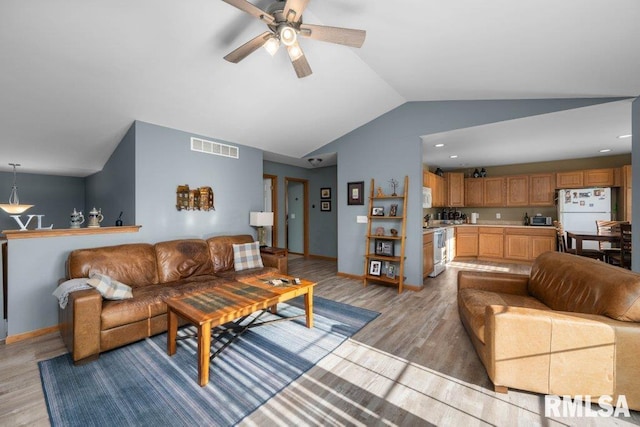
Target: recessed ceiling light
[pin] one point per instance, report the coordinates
(439, 145)
(624, 136)
(455, 156)
(605, 150)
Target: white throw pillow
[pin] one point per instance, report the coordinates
(247, 255)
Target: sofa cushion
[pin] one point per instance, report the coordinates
(109, 288)
(133, 264)
(246, 256)
(221, 250)
(578, 284)
(181, 259)
(473, 302)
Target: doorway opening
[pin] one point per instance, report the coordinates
(270, 187)
(297, 216)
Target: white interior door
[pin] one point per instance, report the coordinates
(268, 207)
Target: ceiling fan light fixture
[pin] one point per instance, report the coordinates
(288, 35)
(272, 45)
(294, 52)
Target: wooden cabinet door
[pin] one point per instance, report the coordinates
(598, 178)
(441, 189)
(455, 189)
(516, 247)
(573, 179)
(491, 243)
(466, 241)
(542, 189)
(426, 179)
(473, 192)
(494, 191)
(518, 190)
(540, 244)
(427, 254)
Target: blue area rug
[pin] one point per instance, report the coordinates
(140, 385)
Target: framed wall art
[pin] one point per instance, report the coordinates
(355, 192)
(325, 206)
(325, 193)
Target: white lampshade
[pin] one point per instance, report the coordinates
(261, 219)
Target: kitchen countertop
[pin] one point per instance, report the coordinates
(432, 228)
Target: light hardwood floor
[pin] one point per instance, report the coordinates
(414, 365)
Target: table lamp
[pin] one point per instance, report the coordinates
(261, 220)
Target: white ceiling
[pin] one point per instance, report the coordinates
(76, 73)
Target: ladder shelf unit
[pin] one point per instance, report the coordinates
(382, 262)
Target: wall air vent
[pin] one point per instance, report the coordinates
(217, 148)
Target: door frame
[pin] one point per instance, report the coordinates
(274, 206)
(305, 204)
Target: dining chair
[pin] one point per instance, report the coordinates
(562, 245)
(623, 257)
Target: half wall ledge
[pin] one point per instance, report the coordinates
(57, 232)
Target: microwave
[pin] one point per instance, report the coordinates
(540, 220)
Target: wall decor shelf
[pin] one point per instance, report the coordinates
(379, 267)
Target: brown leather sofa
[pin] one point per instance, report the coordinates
(90, 324)
(571, 327)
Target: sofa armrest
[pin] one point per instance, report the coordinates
(549, 352)
(508, 283)
(80, 324)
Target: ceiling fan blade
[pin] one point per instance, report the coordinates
(251, 9)
(345, 36)
(296, 8)
(299, 61)
(248, 48)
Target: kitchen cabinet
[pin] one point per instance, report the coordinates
(624, 205)
(573, 179)
(526, 243)
(466, 241)
(455, 189)
(598, 178)
(473, 192)
(491, 242)
(493, 191)
(517, 190)
(542, 189)
(427, 254)
(437, 185)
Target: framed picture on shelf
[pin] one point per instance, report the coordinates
(391, 271)
(384, 247)
(325, 206)
(355, 192)
(375, 268)
(377, 211)
(325, 193)
(393, 211)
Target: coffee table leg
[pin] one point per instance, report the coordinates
(172, 326)
(204, 351)
(308, 307)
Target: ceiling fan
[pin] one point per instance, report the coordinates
(284, 19)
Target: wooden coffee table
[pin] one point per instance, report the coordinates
(226, 303)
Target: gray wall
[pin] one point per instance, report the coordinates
(390, 147)
(164, 160)
(52, 196)
(323, 226)
(113, 188)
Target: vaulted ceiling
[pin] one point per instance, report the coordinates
(76, 73)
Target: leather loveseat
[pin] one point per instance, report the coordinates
(570, 327)
(90, 324)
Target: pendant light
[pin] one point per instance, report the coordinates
(14, 206)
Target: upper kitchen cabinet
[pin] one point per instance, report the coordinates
(455, 189)
(624, 209)
(599, 178)
(473, 192)
(494, 191)
(517, 190)
(573, 179)
(542, 189)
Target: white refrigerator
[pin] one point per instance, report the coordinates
(578, 210)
